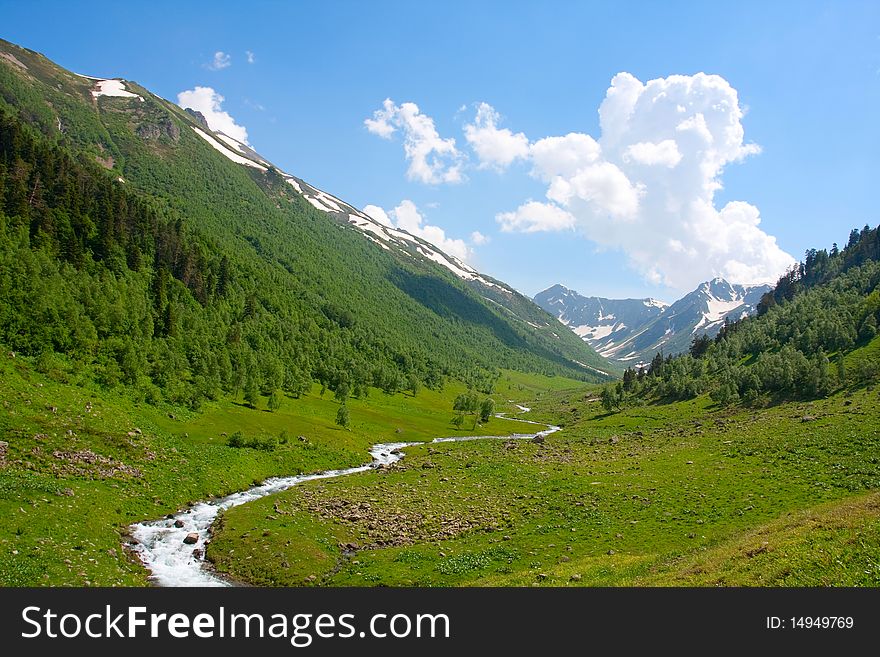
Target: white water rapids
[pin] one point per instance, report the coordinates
(160, 545)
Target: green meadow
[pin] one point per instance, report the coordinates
(677, 494)
(82, 463)
(686, 493)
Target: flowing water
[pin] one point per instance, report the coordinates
(172, 562)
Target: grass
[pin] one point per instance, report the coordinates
(81, 463)
(657, 495)
(676, 494)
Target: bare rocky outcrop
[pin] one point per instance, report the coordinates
(163, 127)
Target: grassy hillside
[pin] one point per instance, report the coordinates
(220, 250)
(79, 464)
(669, 494)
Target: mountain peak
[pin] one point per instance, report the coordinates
(631, 331)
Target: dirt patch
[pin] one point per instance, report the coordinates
(106, 162)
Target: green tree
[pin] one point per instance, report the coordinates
(342, 417)
(274, 401)
(251, 389)
(609, 398)
(487, 408)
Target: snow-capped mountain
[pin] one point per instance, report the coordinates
(385, 236)
(602, 323)
(631, 331)
(517, 306)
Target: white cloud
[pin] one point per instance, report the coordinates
(221, 60)
(664, 153)
(602, 187)
(250, 57)
(648, 185)
(209, 103)
(495, 148)
(532, 217)
(378, 214)
(478, 239)
(563, 156)
(432, 159)
(407, 216)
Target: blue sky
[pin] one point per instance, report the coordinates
(619, 209)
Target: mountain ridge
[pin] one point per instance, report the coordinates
(305, 295)
(631, 331)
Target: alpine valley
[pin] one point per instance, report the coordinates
(215, 372)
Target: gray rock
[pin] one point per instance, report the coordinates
(198, 117)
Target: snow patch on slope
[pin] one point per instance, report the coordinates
(113, 88)
(235, 157)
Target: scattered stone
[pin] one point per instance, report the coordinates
(66, 492)
(198, 553)
(191, 538)
(614, 440)
(692, 535)
(178, 524)
(311, 578)
(541, 576)
(610, 552)
(398, 430)
(538, 439)
(171, 415)
(575, 578)
(564, 558)
(808, 418)
(690, 462)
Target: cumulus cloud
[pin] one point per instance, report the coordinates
(664, 153)
(563, 156)
(432, 159)
(478, 239)
(210, 104)
(220, 61)
(250, 57)
(647, 186)
(533, 216)
(379, 215)
(407, 216)
(495, 147)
